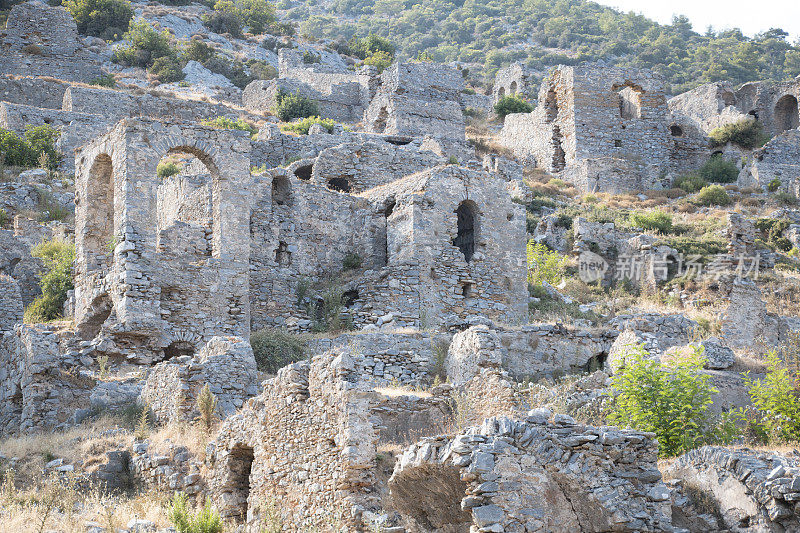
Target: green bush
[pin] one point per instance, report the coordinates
(275, 348)
(4, 218)
(690, 183)
(706, 246)
(777, 399)
(674, 403)
(544, 264)
(56, 280)
(719, 170)
(107, 19)
(785, 198)
(774, 185)
(225, 123)
(144, 44)
(651, 220)
(255, 14)
(292, 106)
(206, 520)
(511, 104)
(167, 168)
(105, 80)
(713, 195)
(771, 230)
(302, 126)
(25, 151)
(222, 23)
(380, 60)
(747, 133)
(367, 46)
(166, 69)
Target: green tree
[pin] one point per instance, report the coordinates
(777, 399)
(58, 257)
(106, 19)
(144, 44)
(674, 403)
(511, 104)
(255, 14)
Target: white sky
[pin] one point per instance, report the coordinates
(750, 16)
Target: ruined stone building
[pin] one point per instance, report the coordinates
(602, 129)
(169, 263)
(514, 79)
(774, 104)
(341, 94)
(40, 40)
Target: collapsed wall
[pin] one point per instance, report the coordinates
(225, 364)
(532, 475)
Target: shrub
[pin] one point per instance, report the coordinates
(511, 104)
(206, 520)
(167, 168)
(380, 59)
(747, 133)
(777, 399)
(351, 261)
(144, 45)
(544, 264)
(56, 280)
(25, 151)
(292, 106)
(369, 45)
(719, 170)
(674, 403)
(207, 406)
(774, 185)
(309, 58)
(255, 14)
(275, 348)
(166, 69)
(4, 218)
(220, 22)
(651, 220)
(105, 80)
(327, 311)
(302, 126)
(785, 198)
(690, 183)
(713, 195)
(106, 19)
(771, 230)
(225, 123)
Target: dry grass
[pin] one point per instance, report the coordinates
(194, 437)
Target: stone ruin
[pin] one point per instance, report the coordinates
(514, 79)
(602, 129)
(308, 446)
(41, 40)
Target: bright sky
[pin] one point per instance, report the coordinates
(750, 16)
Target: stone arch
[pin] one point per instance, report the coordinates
(178, 348)
(379, 126)
(629, 98)
(179, 144)
(501, 93)
(786, 114)
(304, 172)
(100, 213)
(512, 89)
(467, 223)
(281, 190)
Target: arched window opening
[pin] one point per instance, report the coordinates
(100, 216)
(728, 98)
(630, 102)
(178, 349)
(501, 93)
(282, 254)
(786, 115)
(467, 223)
(341, 184)
(676, 131)
(512, 89)
(280, 190)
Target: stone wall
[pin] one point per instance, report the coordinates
(225, 364)
(58, 51)
(532, 475)
(750, 490)
(778, 159)
(514, 79)
(602, 129)
(167, 283)
(40, 92)
(172, 470)
(418, 99)
(17, 263)
(11, 308)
